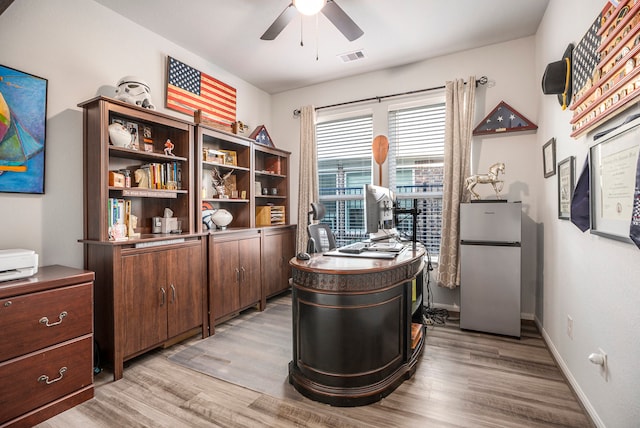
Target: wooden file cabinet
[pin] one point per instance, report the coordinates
(46, 344)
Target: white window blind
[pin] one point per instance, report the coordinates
(344, 166)
(416, 168)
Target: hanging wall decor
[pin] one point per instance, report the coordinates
(606, 75)
(192, 91)
(557, 78)
(261, 136)
(613, 160)
(566, 182)
(549, 158)
(23, 114)
(504, 118)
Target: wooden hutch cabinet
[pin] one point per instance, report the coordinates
(235, 274)
(248, 261)
(277, 249)
(150, 274)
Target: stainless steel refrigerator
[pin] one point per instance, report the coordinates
(490, 263)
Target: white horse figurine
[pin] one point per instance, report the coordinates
(491, 177)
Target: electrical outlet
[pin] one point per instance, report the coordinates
(604, 368)
(570, 327)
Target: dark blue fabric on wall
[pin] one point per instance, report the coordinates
(580, 215)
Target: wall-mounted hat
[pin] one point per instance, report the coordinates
(557, 78)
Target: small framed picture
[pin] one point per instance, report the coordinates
(549, 158)
(566, 182)
(133, 129)
(230, 157)
(147, 138)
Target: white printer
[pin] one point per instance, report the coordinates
(17, 263)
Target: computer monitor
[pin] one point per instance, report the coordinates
(379, 204)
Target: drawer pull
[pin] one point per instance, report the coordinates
(45, 378)
(45, 320)
(7, 303)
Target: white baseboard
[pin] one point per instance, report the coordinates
(572, 381)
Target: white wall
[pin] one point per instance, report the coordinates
(83, 49)
(512, 78)
(590, 278)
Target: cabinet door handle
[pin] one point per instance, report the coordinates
(237, 275)
(45, 320)
(164, 295)
(173, 293)
(45, 378)
(244, 272)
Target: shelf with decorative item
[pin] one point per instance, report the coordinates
(615, 80)
(608, 96)
(149, 169)
(223, 175)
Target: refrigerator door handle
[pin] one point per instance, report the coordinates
(491, 243)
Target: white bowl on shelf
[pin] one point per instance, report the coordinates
(119, 135)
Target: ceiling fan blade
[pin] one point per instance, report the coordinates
(281, 21)
(341, 20)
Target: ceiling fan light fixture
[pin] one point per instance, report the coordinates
(309, 7)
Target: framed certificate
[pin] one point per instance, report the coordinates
(613, 161)
(549, 158)
(566, 182)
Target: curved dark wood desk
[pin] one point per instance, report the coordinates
(352, 326)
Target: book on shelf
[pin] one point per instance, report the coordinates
(159, 176)
(117, 228)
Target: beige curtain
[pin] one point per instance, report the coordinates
(308, 183)
(460, 103)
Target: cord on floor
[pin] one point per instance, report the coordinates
(432, 316)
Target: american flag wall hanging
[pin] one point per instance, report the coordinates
(189, 90)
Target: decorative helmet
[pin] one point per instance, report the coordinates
(133, 90)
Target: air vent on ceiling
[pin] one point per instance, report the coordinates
(352, 56)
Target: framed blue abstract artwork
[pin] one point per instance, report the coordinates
(23, 115)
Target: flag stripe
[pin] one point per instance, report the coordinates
(177, 96)
(199, 103)
(215, 99)
(221, 87)
(189, 89)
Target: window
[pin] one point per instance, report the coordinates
(344, 167)
(416, 168)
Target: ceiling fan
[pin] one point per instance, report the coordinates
(329, 8)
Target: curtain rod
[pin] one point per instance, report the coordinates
(481, 81)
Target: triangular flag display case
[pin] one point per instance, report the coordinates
(504, 118)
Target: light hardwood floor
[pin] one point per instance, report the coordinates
(464, 379)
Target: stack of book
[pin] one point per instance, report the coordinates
(116, 219)
(161, 176)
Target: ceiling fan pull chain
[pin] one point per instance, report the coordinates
(301, 43)
(317, 38)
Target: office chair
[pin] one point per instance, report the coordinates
(321, 238)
